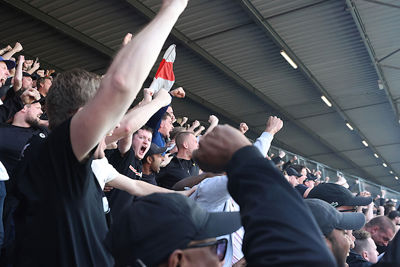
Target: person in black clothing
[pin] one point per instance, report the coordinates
(182, 165)
(364, 253)
(128, 161)
(268, 204)
(60, 219)
(152, 163)
(14, 136)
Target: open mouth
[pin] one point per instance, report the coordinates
(143, 149)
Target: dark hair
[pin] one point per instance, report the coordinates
(165, 116)
(70, 91)
(361, 242)
(393, 214)
(144, 128)
(298, 168)
(175, 131)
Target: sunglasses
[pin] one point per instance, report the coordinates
(354, 209)
(218, 247)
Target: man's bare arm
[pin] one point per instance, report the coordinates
(122, 81)
(18, 74)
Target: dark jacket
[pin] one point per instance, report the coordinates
(356, 260)
(279, 229)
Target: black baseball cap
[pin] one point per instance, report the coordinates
(291, 171)
(10, 64)
(328, 218)
(152, 227)
(26, 74)
(311, 177)
(337, 195)
(155, 149)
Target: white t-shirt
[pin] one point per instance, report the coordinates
(103, 171)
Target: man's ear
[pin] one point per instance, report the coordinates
(149, 159)
(364, 254)
(175, 258)
(185, 145)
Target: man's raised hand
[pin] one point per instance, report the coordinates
(217, 148)
(178, 92)
(243, 128)
(274, 124)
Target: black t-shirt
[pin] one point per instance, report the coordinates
(149, 178)
(175, 171)
(59, 219)
(127, 165)
(13, 140)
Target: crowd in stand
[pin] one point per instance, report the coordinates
(86, 179)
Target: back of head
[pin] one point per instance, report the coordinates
(361, 242)
(70, 91)
(181, 138)
(393, 214)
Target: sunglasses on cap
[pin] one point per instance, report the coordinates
(218, 247)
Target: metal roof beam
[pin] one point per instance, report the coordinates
(382, 3)
(59, 26)
(361, 28)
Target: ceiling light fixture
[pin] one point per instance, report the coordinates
(376, 155)
(365, 143)
(329, 104)
(380, 85)
(349, 126)
(288, 59)
(391, 172)
(397, 178)
(384, 165)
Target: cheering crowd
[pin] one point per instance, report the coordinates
(87, 179)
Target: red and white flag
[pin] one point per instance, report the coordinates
(165, 77)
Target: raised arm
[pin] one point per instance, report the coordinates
(17, 48)
(138, 116)
(263, 143)
(213, 120)
(122, 81)
(18, 74)
(271, 204)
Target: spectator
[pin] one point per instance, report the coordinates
(43, 85)
(339, 197)
(152, 163)
(271, 205)
(5, 67)
(212, 195)
(364, 253)
(60, 219)
(190, 238)
(333, 224)
(182, 165)
(394, 215)
(382, 230)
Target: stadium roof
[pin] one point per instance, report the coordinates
(229, 62)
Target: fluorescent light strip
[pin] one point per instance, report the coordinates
(397, 178)
(376, 155)
(349, 126)
(288, 59)
(329, 104)
(365, 143)
(391, 172)
(384, 165)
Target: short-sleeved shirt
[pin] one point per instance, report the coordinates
(175, 171)
(59, 219)
(13, 140)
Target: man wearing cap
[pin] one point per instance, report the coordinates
(338, 197)
(302, 183)
(332, 224)
(139, 237)
(152, 163)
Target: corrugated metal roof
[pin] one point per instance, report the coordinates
(333, 52)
